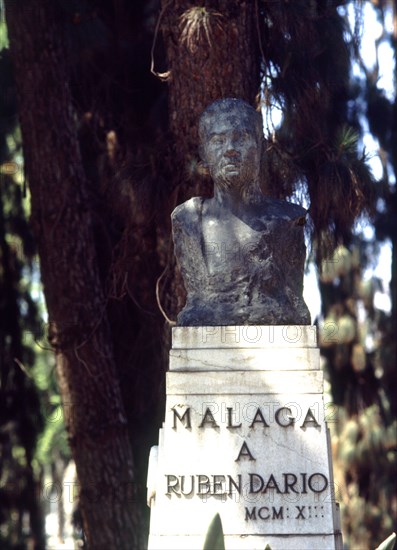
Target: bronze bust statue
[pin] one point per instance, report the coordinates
(241, 254)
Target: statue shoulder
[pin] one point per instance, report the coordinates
(188, 212)
(284, 209)
(295, 210)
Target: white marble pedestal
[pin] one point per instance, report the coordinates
(244, 435)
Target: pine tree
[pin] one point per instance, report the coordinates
(110, 149)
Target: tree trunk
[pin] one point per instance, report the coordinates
(212, 53)
(79, 327)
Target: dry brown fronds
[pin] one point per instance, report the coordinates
(198, 24)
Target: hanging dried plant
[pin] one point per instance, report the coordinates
(198, 24)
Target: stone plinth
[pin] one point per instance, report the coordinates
(244, 435)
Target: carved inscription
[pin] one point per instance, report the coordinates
(283, 417)
(256, 490)
(226, 485)
(287, 512)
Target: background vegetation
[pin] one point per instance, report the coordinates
(104, 98)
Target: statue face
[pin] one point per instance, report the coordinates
(231, 151)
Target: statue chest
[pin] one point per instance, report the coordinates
(230, 244)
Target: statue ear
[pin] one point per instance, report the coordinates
(202, 168)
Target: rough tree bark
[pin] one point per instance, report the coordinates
(212, 52)
(76, 302)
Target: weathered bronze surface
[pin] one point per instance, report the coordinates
(241, 254)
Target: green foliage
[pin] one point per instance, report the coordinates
(3, 32)
(214, 539)
(347, 140)
(53, 439)
(364, 459)
(357, 365)
(357, 339)
(307, 50)
(307, 72)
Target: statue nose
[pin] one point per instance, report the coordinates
(231, 151)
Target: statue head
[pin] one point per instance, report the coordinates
(231, 135)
